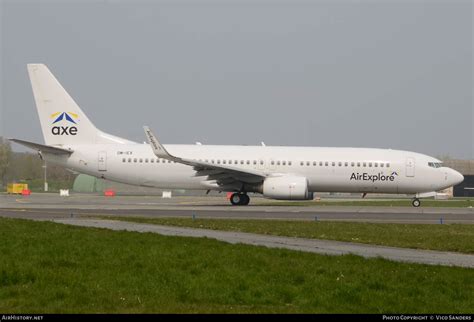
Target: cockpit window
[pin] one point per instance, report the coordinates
(435, 164)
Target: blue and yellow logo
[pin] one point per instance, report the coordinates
(68, 116)
(64, 129)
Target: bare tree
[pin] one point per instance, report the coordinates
(5, 158)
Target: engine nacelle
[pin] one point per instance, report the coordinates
(287, 188)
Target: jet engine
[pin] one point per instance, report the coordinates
(287, 188)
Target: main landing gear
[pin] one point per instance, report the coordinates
(416, 202)
(239, 199)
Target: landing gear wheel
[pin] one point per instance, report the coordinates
(245, 200)
(236, 199)
(416, 202)
(239, 199)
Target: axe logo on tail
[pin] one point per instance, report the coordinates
(62, 123)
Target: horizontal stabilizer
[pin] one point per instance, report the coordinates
(42, 148)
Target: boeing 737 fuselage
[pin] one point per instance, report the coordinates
(285, 173)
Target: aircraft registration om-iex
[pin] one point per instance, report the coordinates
(284, 173)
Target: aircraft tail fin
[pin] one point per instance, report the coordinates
(62, 120)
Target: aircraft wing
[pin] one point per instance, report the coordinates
(222, 174)
(42, 148)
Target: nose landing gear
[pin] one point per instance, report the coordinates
(416, 202)
(239, 199)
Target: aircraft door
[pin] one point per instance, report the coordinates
(410, 167)
(102, 161)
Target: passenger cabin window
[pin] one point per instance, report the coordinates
(278, 162)
(340, 164)
(346, 164)
(333, 164)
(135, 160)
(381, 165)
(370, 164)
(283, 163)
(314, 163)
(352, 164)
(326, 163)
(388, 165)
(301, 163)
(364, 164)
(123, 160)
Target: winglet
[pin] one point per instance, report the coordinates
(156, 146)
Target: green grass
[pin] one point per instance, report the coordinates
(52, 268)
(452, 237)
(456, 203)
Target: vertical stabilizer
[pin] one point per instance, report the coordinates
(62, 121)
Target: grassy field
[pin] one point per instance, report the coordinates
(53, 268)
(457, 203)
(452, 237)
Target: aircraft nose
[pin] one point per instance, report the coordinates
(455, 177)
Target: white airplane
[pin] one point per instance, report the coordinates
(284, 173)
